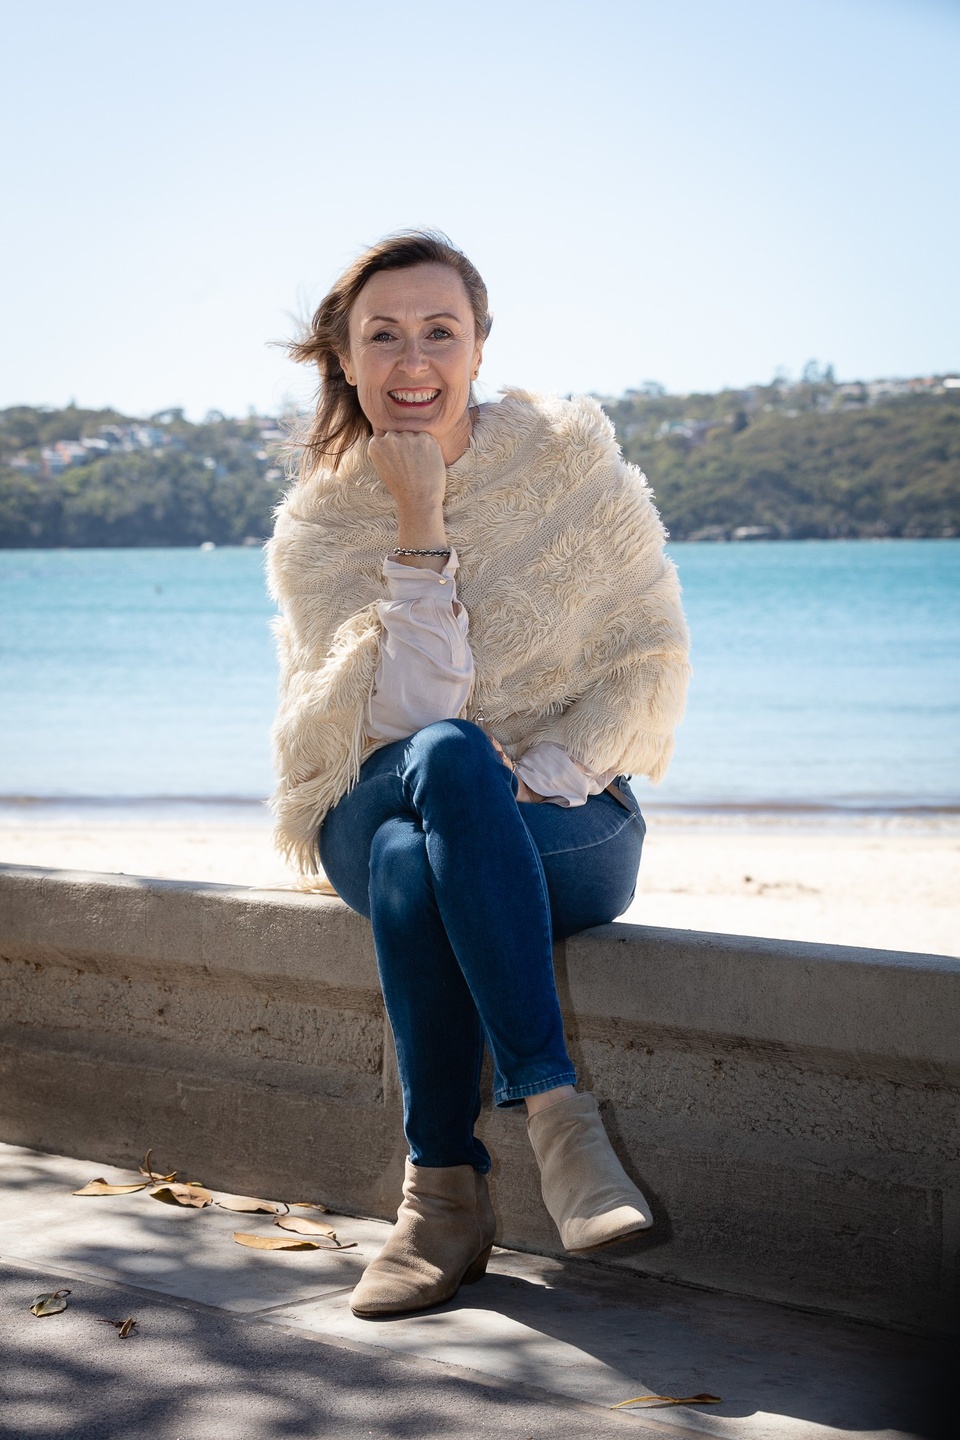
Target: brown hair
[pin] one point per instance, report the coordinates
(339, 421)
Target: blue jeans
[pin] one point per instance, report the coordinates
(466, 890)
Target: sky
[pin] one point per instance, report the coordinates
(689, 192)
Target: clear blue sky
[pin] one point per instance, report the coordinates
(689, 191)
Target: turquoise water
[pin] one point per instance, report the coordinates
(827, 674)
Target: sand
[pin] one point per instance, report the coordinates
(889, 883)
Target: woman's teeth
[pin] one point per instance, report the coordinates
(414, 397)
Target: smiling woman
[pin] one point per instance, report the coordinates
(432, 289)
(458, 764)
(413, 369)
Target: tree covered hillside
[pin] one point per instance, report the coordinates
(96, 478)
(781, 471)
(813, 459)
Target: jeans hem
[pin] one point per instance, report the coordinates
(514, 1094)
(482, 1167)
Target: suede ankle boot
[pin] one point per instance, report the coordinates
(442, 1240)
(589, 1195)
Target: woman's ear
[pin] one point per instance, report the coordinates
(350, 378)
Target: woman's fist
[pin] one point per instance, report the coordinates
(410, 464)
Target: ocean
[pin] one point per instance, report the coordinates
(827, 677)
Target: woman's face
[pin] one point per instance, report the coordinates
(413, 353)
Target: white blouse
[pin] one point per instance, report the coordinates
(426, 671)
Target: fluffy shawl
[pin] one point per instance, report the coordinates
(576, 628)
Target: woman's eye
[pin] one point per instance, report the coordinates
(381, 336)
(439, 332)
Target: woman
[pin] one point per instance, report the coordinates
(455, 724)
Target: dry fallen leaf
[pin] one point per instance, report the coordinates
(100, 1187)
(152, 1176)
(50, 1304)
(124, 1328)
(305, 1226)
(248, 1205)
(670, 1400)
(190, 1195)
(275, 1242)
(310, 1205)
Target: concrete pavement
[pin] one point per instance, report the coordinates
(236, 1344)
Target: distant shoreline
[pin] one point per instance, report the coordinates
(751, 541)
(121, 810)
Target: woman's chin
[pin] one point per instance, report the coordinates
(423, 416)
(416, 419)
(453, 439)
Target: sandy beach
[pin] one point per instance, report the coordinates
(886, 882)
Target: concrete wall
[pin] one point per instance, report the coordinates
(790, 1109)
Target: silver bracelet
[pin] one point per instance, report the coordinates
(400, 551)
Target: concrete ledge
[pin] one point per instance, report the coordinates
(791, 1109)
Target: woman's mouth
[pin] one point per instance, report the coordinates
(413, 398)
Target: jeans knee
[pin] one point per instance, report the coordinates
(454, 744)
(400, 881)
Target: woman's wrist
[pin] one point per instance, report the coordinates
(422, 530)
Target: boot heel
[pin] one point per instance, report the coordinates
(478, 1269)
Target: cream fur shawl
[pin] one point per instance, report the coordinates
(576, 628)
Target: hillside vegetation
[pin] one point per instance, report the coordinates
(808, 460)
(798, 471)
(97, 478)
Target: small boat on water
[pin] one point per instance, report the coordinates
(208, 545)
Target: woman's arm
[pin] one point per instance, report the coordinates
(410, 464)
(426, 672)
(551, 774)
(426, 665)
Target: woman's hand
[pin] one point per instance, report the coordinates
(410, 464)
(525, 796)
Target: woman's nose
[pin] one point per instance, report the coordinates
(414, 360)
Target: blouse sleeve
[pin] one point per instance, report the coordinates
(426, 671)
(549, 771)
(426, 665)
